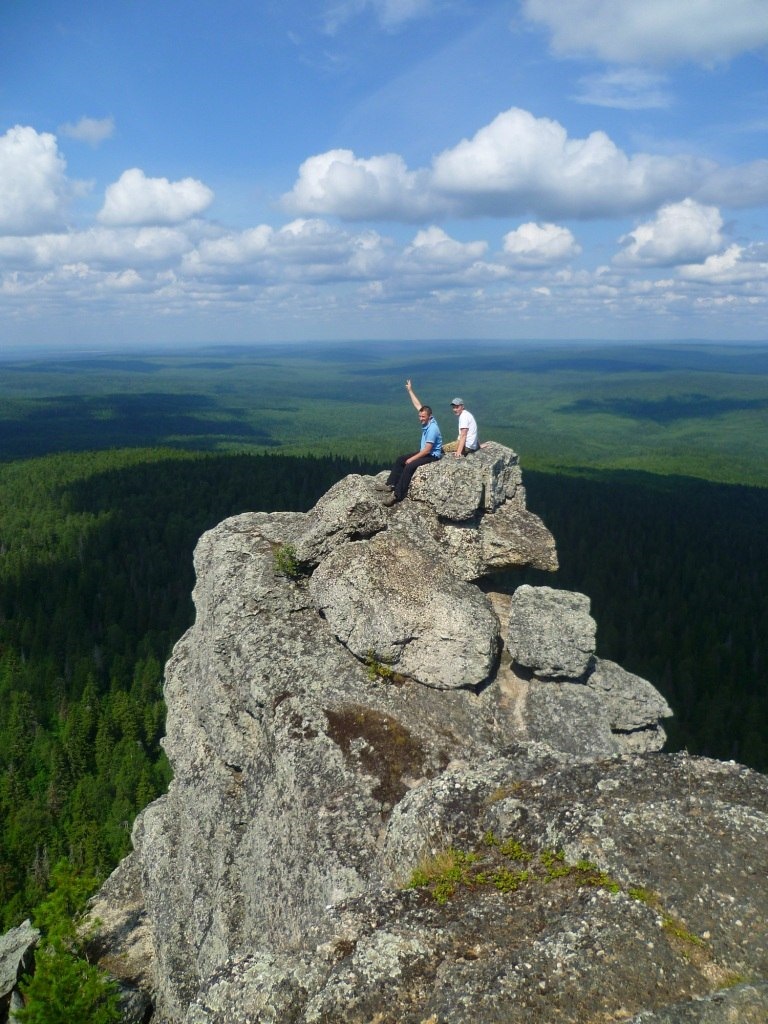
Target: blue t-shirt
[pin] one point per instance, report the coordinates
(431, 432)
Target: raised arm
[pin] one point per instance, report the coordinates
(412, 396)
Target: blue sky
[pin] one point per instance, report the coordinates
(175, 173)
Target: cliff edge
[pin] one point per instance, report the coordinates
(401, 795)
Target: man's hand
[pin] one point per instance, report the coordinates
(415, 400)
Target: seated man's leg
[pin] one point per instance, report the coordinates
(397, 469)
(401, 487)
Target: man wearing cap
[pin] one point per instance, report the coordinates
(467, 440)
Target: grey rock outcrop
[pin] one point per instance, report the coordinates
(665, 930)
(16, 957)
(396, 600)
(350, 510)
(460, 489)
(551, 632)
(332, 727)
(124, 940)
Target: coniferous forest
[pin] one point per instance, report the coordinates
(95, 587)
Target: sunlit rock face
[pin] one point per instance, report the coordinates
(355, 696)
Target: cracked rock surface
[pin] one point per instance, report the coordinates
(339, 716)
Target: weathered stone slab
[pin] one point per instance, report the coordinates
(15, 949)
(395, 600)
(630, 702)
(351, 510)
(675, 921)
(551, 632)
(513, 537)
(458, 489)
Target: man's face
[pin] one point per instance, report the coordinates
(423, 417)
(457, 408)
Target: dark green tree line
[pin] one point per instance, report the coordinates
(675, 569)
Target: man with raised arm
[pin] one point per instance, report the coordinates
(468, 440)
(430, 451)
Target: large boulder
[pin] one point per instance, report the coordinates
(551, 632)
(351, 510)
(459, 489)
(16, 958)
(632, 705)
(393, 599)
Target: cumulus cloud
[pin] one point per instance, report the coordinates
(686, 232)
(736, 266)
(517, 164)
(308, 249)
(234, 249)
(89, 129)
(379, 188)
(99, 247)
(624, 89)
(540, 245)
(435, 249)
(655, 31)
(34, 190)
(520, 162)
(135, 199)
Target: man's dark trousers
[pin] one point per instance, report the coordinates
(400, 477)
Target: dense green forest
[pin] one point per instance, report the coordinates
(95, 584)
(675, 569)
(95, 587)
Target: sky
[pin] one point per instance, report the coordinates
(232, 172)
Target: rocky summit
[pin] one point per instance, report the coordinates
(404, 793)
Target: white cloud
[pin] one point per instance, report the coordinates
(736, 266)
(89, 129)
(624, 89)
(34, 190)
(685, 232)
(517, 164)
(653, 31)
(338, 182)
(309, 250)
(135, 199)
(96, 247)
(540, 245)
(234, 249)
(436, 250)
